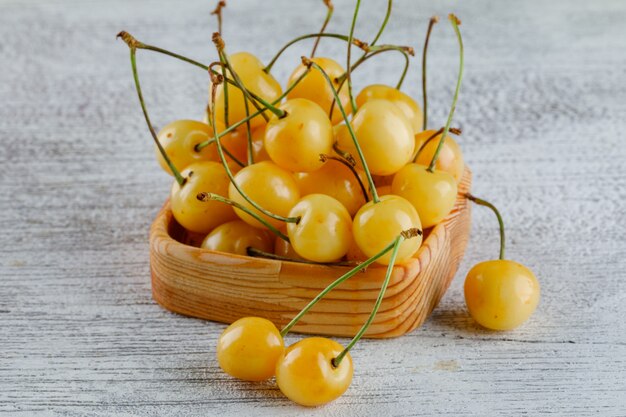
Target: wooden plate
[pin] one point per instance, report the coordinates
(225, 287)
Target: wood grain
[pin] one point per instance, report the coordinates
(224, 287)
(543, 112)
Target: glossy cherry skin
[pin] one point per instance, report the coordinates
(249, 349)
(433, 194)
(194, 215)
(268, 185)
(250, 70)
(384, 134)
(376, 225)
(180, 137)
(324, 232)
(335, 180)
(306, 375)
(258, 145)
(450, 157)
(295, 141)
(405, 103)
(237, 236)
(501, 294)
(314, 87)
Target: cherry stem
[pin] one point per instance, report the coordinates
(396, 246)
(130, 40)
(329, 13)
(404, 50)
(324, 158)
(346, 276)
(370, 180)
(261, 254)
(347, 156)
(433, 20)
(349, 56)
(454, 130)
(133, 63)
(218, 12)
(234, 126)
(356, 42)
(219, 44)
(485, 203)
(384, 24)
(455, 24)
(206, 197)
(224, 60)
(216, 80)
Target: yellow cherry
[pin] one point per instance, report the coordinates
(314, 87)
(306, 375)
(404, 102)
(250, 70)
(422, 137)
(501, 294)
(324, 232)
(236, 237)
(258, 145)
(180, 137)
(450, 157)
(192, 214)
(249, 349)
(384, 134)
(433, 194)
(376, 225)
(269, 186)
(295, 141)
(336, 180)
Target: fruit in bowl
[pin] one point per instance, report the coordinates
(321, 210)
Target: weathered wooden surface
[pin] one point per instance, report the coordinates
(543, 110)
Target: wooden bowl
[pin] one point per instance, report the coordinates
(225, 287)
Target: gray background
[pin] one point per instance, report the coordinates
(543, 109)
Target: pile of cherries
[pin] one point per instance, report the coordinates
(316, 174)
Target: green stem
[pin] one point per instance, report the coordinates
(324, 158)
(333, 285)
(370, 180)
(493, 208)
(133, 62)
(454, 130)
(433, 20)
(246, 94)
(349, 56)
(426, 142)
(229, 173)
(234, 126)
(205, 197)
(396, 246)
(329, 13)
(405, 51)
(384, 24)
(259, 253)
(455, 24)
(128, 38)
(356, 42)
(219, 43)
(347, 156)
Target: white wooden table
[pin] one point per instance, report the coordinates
(543, 110)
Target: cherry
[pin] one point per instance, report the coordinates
(250, 348)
